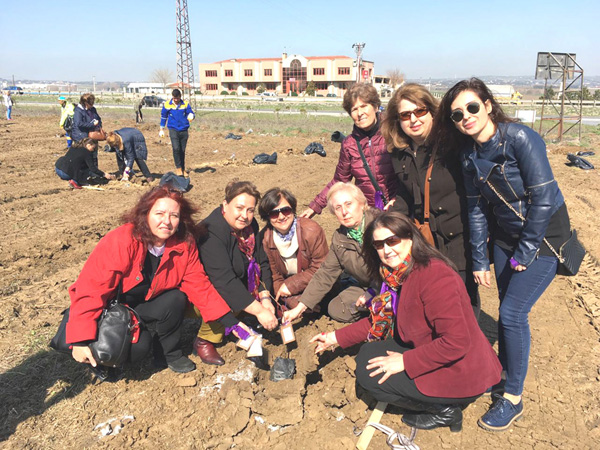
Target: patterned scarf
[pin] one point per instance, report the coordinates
(246, 242)
(290, 234)
(357, 233)
(384, 307)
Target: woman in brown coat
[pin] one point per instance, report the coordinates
(349, 205)
(295, 246)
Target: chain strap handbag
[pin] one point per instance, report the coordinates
(570, 254)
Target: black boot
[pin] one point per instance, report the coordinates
(436, 416)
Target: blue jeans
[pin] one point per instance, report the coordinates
(518, 293)
(62, 175)
(9, 112)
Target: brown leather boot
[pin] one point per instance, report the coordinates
(207, 352)
(178, 171)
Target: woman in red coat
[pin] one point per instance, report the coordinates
(438, 361)
(154, 259)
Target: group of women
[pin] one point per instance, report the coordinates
(80, 163)
(405, 279)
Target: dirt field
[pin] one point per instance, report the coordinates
(48, 401)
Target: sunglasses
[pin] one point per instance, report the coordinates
(286, 211)
(457, 115)
(390, 241)
(419, 112)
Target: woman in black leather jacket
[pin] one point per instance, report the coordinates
(500, 160)
(406, 128)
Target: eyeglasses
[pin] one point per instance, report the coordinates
(286, 211)
(419, 112)
(390, 241)
(457, 115)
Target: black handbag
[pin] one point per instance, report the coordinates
(570, 254)
(116, 327)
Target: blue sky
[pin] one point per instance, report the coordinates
(127, 40)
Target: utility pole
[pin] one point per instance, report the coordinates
(185, 65)
(358, 47)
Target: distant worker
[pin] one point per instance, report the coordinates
(78, 164)
(8, 104)
(137, 107)
(177, 115)
(67, 111)
(86, 121)
(130, 146)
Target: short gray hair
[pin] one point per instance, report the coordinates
(350, 187)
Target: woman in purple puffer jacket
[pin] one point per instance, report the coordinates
(362, 102)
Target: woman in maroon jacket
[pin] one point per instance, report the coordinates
(438, 361)
(153, 259)
(295, 246)
(362, 102)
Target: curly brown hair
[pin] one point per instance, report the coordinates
(138, 215)
(364, 91)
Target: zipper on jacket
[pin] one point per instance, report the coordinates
(374, 168)
(503, 172)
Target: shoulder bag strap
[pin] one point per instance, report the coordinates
(520, 216)
(427, 185)
(368, 169)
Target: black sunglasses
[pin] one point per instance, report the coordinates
(286, 211)
(457, 115)
(419, 112)
(390, 241)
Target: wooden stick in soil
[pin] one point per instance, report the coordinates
(367, 434)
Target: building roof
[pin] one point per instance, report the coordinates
(278, 59)
(246, 59)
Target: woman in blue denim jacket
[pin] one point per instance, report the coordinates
(501, 158)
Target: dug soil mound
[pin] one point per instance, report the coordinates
(48, 401)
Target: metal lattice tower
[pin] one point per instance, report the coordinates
(561, 67)
(358, 47)
(185, 65)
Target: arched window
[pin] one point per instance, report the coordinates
(294, 77)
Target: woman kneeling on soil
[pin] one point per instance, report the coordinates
(153, 258)
(236, 264)
(130, 146)
(438, 360)
(349, 205)
(295, 246)
(78, 164)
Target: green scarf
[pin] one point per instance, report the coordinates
(357, 233)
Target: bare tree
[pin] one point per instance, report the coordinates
(162, 76)
(396, 77)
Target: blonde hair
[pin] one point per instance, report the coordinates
(351, 188)
(113, 139)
